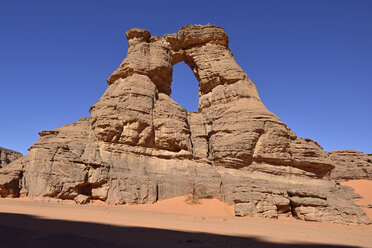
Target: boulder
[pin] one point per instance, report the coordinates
(82, 199)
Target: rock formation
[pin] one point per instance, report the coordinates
(7, 156)
(350, 164)
(140, 146)
(9, 179)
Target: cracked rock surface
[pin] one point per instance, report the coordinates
(140, 146)
(350, 164)
(7, 156)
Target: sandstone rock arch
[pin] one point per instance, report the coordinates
(236, 128)
(140, 146)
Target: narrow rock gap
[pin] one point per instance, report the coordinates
(188, 127)
(293, 212)
(157, 192)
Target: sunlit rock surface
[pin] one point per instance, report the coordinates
(140, 146)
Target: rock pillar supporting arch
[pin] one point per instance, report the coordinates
(140, 146)
(233, 128)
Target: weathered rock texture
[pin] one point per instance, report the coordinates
(140, 146)
(7, 156)
(351, 164)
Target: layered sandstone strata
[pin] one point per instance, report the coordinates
(7, 156)
(350, 164)
(9, 179)
(140, 146)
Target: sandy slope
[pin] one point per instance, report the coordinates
(364, 189)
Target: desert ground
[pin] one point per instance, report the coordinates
(169, 223)
(364, 189)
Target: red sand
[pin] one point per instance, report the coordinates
(177, 205)
(364, 189)
(208, 218)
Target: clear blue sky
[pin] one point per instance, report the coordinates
(311, 61)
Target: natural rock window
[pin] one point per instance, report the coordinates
(140, 146)
(185, 87)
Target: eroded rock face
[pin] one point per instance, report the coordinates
(351, 164)
(7, 156)
(9, 178)
(237, 129)
(140, 146)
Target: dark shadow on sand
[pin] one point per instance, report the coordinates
(18, 230)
